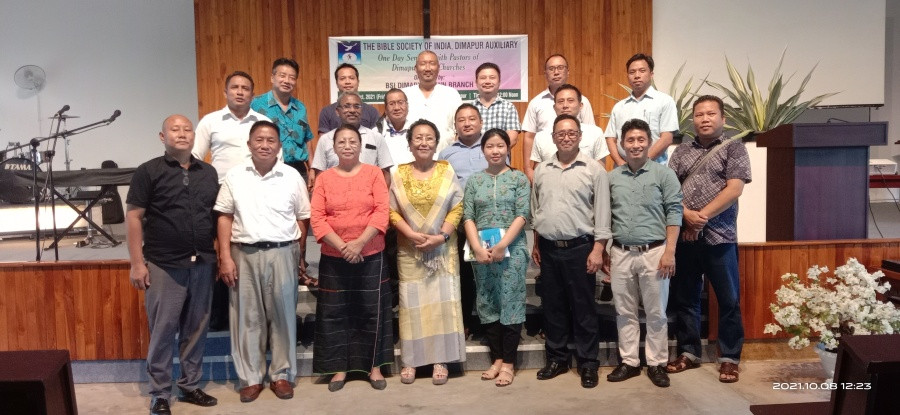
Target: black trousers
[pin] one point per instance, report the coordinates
(300, 166)
(466, 286)
(503, 341)
(568, 301)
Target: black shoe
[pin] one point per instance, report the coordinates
(197, 397)
(623, 372)
(552, 370)
(658, 376)
(160, 406)
(589, 376)
(606, 293)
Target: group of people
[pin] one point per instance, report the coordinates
(425, 192)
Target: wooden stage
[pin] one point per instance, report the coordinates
(90, 309)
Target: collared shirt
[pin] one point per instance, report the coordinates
(293, 125)
(465, 160)
(374, 150)
(730, 162)
(225, 137)
(540, 114)
(396, 143)
(501, 114)
(593, 143)
(179, 223)
(439, 108)
(570, 202)
(644, 203)
(656, 108)
(265, 208)
(329, 119)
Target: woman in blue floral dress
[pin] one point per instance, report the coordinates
(498, 198)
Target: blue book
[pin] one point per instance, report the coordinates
(489, 237)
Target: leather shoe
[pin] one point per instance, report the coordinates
(623, 372)
(250, 393)
(336, 385)
(589, 376)
(379, 384)
(658, 376)
(160, 406)
(197, 397)
(552, 370)
(282, 389)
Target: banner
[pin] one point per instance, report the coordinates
(386, 62)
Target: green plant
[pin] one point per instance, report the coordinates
(752, 111)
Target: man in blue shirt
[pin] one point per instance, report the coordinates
(288, 113)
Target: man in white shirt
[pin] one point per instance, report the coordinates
(593, 144)
(264, 210)
(374, 149)
(540, 114)
(644, 103)
(394, 126)
(430, 100)
(223, 133)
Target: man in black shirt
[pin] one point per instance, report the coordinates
(171, 229)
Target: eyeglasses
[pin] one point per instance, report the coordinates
(396, 103)
(567, 134)
(351, 106)
(558, 68)
(424, 139)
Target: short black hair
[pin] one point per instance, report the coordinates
(263, 123)
(705, 98)
(391, 91)
(465, 106)
(343, 127)
(640, 57)
(286, 61)
(636, 124)
(553, 56)
(487, 65)
(563, 117)
(422, 121)
(345, 65)
(564, 87)
(241, 74)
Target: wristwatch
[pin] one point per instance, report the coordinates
(446, 236)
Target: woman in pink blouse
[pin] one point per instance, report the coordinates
(353, 313)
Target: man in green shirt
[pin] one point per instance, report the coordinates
(646, 219)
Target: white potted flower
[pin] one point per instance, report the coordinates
(824, 307)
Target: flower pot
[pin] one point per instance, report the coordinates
(828, 359)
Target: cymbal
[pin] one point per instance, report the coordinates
(64, 116)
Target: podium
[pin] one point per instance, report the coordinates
(818, 179)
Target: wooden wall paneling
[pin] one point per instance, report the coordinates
(597, 37)
(130, 323)
(6, 315)
(62, 296)
(109, 332)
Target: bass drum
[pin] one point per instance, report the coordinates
(12, 189)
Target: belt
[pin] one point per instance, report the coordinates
(266, 245)
(571, 243)
(639, 248)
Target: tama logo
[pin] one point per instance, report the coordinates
(22, 166)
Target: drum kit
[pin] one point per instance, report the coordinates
(18, 160)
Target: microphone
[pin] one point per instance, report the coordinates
(62, 110)
(115, 115)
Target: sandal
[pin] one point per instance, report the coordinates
(680, 364)
(491, 373)
(505, 378)
(408, 375)
(439, 374)
(728, 372)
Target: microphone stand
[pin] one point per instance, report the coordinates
(34, 143)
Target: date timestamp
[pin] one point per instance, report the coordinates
(821, 385)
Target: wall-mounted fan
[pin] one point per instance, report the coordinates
(30, 77)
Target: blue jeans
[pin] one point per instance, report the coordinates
(719, 263)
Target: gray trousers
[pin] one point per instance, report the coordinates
(264, 309)
(177, 302)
